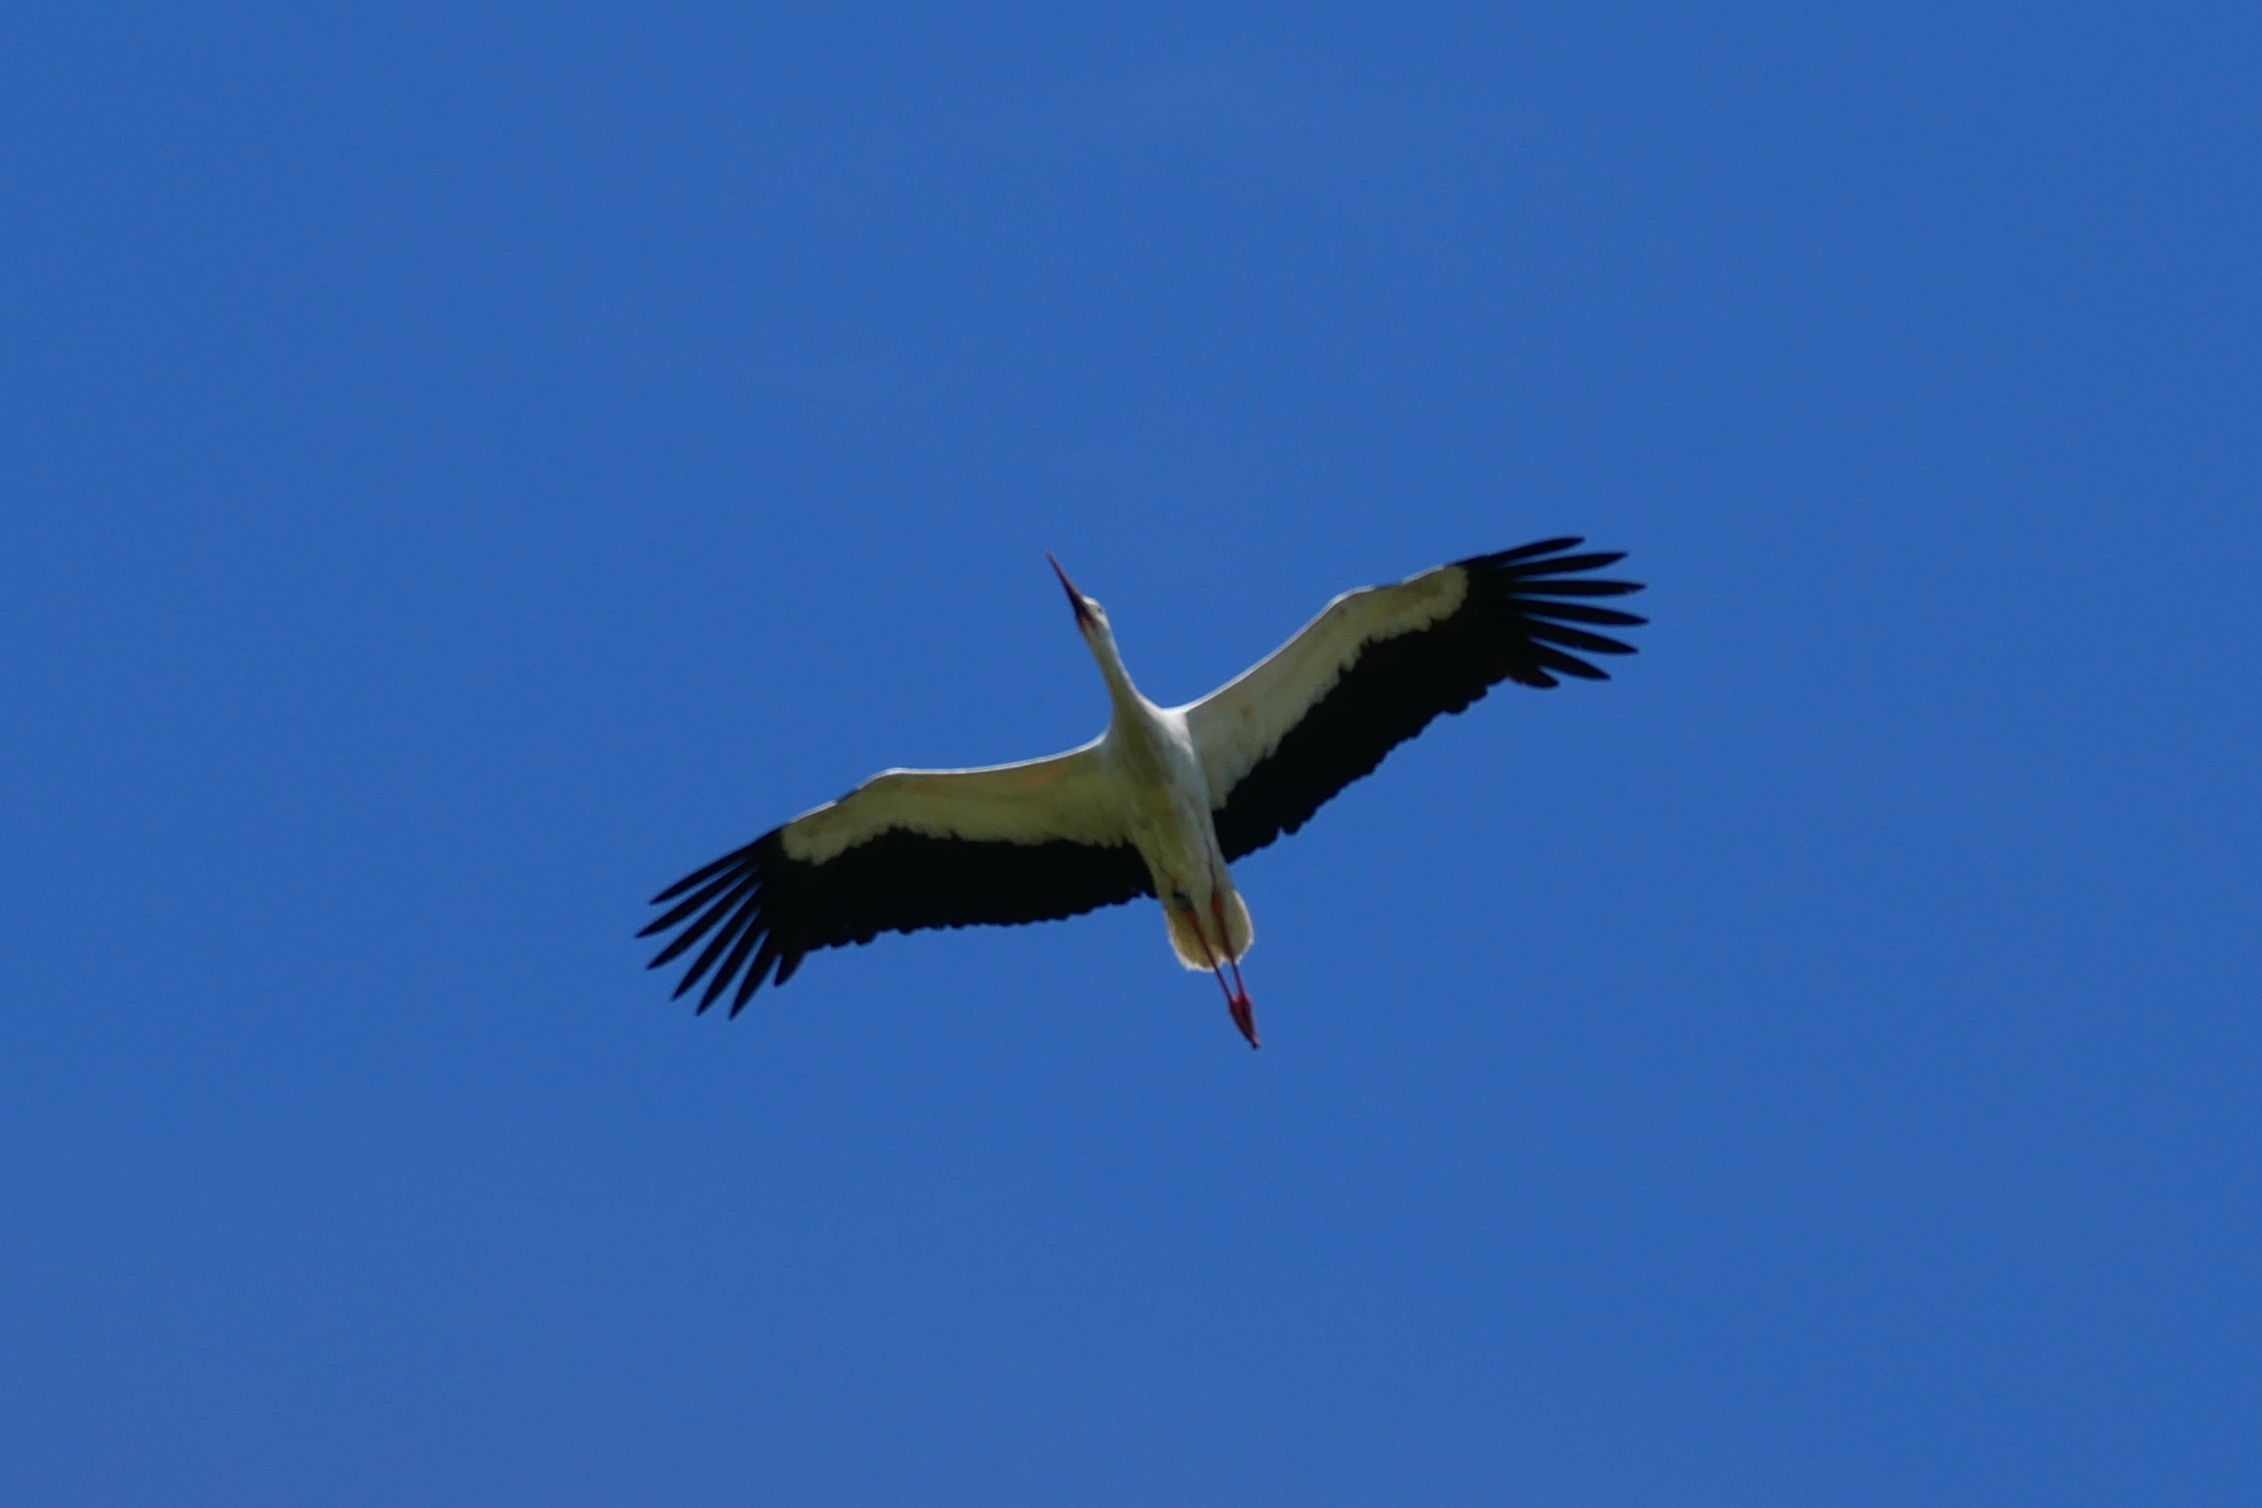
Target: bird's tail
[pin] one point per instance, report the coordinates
(1193, 935)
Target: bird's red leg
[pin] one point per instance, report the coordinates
(1225, 941)
(1193, 919)
(1236, 999)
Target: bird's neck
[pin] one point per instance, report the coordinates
(1125, 696)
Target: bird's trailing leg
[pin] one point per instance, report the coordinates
(1237, 998)
(1225, 941)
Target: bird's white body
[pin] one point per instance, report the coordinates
(1162, 793)
(1163, 800)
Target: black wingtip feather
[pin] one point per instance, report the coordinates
(1516, 598)
(763, 958)
(1575, 587)
(1581, 612)
(1562, 565)
(704, 873)
(723, 976)
(728, 888)
(726, 936)
(718, 910)
(1578, 638)
(1538, 547)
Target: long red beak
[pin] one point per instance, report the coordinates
(1075, 598)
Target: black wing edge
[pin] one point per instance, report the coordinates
(1528, 618)
(760, 912)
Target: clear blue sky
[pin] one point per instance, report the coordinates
(461, 468)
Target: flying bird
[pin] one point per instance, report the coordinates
(1162, 801)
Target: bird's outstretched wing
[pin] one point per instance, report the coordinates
(1378, 664)
(906, 849)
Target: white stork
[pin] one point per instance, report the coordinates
(1162, 801)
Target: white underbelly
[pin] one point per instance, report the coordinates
(1167, 815)
(1179, 847)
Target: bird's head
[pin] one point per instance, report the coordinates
(1091, 618)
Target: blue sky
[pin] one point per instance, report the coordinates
(462, 469)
